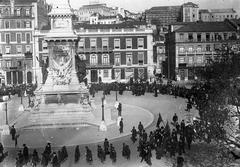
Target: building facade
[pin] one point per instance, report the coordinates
(190, 12)
(18, 21)
(109, 53)
(86, 11)
(96, 18)
(212, 15)
(190, 45)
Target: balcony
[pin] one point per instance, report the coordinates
(99, 66)
(94, 50)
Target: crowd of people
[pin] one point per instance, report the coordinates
(163, 140)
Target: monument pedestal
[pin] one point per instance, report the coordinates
(103, 126)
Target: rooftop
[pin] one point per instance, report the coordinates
(227, 10)
(204, 27)
(203, 11)
(159, 8)
(128, 24)
(190, 4)
(18, 1)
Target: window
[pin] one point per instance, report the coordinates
(208, 48)
(18, 12)
(18, 38)
(19, 63)
(225, 36)
(18, 24)
(1, 49)
(28, 48)
(181, 37)
(19, 49)
(93, 59)
(7, 24)
(129, 59)
(181, 49)
(7, 49)
(190, 37)
(27, 12)
(117, 59)
(140, 42)
(28, 37)
(190, 49)
(199, 37)
(116, 43)
(181, 60)
(199, 48)
(190, 60)
(140, 58)
(105, 59)
(128, 43)
(207, 37)
(199, 59)
(117, 74)
(105, 73)
(44, 45)
(141, 73)
(105, 43)
(216, 36)
(28, 24)
(7, 38)
(93, 43)
(81, 44)
(8, 64)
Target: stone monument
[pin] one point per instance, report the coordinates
(62, 101)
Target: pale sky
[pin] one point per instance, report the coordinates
(141, 5)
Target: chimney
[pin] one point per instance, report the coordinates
(12, 2)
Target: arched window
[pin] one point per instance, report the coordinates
(105, 59)
(93, 59)
(29, 77)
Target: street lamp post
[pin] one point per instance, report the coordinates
(116, 91)
(103, 126)
(103, 109)
(6, 113)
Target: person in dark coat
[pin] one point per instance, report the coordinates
(113, 154)
(25, 154)
(175, 118)
(13, 132)
(127, 152)
(55, 161)
(1, 148)
(106, 146)
(20, 159)
(64, 153)
(77, 154)
(159, 120)
(180, 161)
(144, 136)
(124, 150)
(121, 126)
(35, 158)
(140, 128)
(88, 155)
(134, 134)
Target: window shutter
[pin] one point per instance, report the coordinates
(135, 74)
(145, 74)
(122, 73)
(113, 74)
(123, 59)
(145, 58)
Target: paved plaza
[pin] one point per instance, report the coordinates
(135, 108)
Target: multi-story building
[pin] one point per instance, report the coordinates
(212, 15)
(86, 11)
(96, 18)
(165, 15)
(114, 52)
(18, 21)
(190, 45)
(190, 12)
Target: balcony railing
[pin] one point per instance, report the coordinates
(99, 65)
(94, 50)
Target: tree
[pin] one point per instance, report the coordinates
(218, 98)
